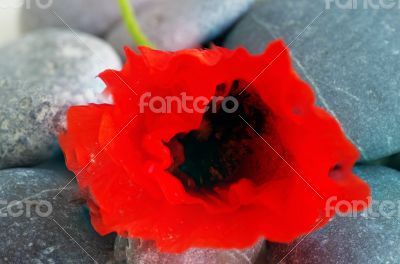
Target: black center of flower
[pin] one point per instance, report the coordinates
(212, 155)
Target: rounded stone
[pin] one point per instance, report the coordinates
(41, 224)
(40, 76)
(180, 24)
(91, 16)
(135, 251)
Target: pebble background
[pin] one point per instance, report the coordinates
(40, 76)
(350, 58)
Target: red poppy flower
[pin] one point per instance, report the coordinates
(213, 179)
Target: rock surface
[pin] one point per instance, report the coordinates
(40, 227)
(368, 238)
(180, 24)
(91, 16)
(40, 76)
(350, 58)
(145, 252)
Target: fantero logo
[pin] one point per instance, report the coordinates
(26, 208)
(185, 103)
(362, 4)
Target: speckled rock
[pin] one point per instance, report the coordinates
(180, 24)
(350, 57)
(370, 237)
(144, 252)
(40, 75)
(39, 227)
(91, 16)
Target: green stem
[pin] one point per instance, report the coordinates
(132, 24)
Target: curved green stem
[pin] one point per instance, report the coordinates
(132, 24)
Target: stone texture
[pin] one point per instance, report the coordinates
(145, 252)
(52, 234)
(91, 16)
(40, 76)
(350, 57)
(369, 238)
(180, 24)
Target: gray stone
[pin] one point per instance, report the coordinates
(370, 237)
(180, 24)
(350, 58)
(40, 76)
(39, 226)
(137, 251)
(91, 16)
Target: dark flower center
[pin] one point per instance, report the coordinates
(212, 156)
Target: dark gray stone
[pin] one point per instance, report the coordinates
(350, 58)
(40, 76)
(59, 233)
(136, 251)
(91, 16)
(368, 238)
(180, 24)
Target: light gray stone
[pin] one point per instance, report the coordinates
(137, 251)
(40, 76)
(180, 24)
(39, 226)
(91, 16)
(349, 57)
(368, 238)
